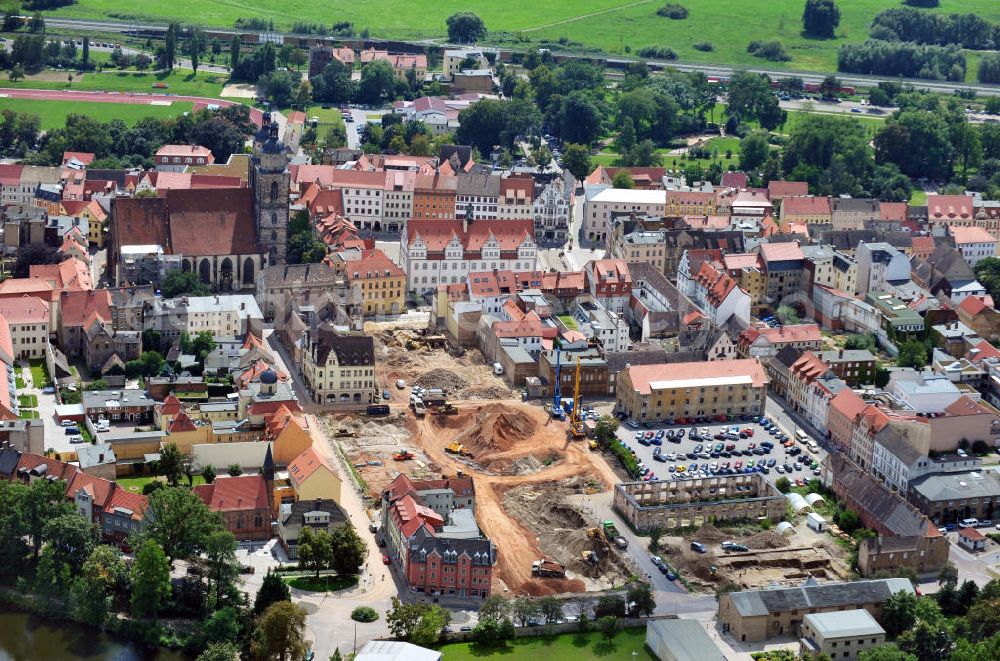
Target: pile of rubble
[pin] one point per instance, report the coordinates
(441, 378)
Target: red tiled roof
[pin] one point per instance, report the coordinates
(949, 207)
(266, 408)
(982, 351)
(793, 333)
(848, 404)
(181, 423)
(971, 534)
(642, 376)
(125, 499)
(98, 488)
(59, 469)
(806, 206)
(10, 175)
(777, 190)
(734, 180)
(84, 157)
(893, 210)
(304, 465)
(973, 305)
(185, 151)
(232, 494)
(965, 405)
(24, 310)
(964, 235)
(76, 307)
(737, 261)
(437, 233)
(71, 274)
(373, 264)
(170, 406)
(781, 252)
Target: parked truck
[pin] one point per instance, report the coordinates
(377, 409)
(447, 409)
(403, 455)
(434, 397)
(612, 535)
(419, 409)
(547, 569)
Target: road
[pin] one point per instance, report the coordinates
(138, 98)
(574, 255)
(708, 69)
(879, 112)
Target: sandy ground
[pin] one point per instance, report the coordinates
(239, 91)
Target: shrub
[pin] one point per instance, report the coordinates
(364, 614)
(703, 46)
(659, 52)
(769, 50)
(923, 3)
(673, 10)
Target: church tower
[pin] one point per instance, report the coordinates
(269, 179)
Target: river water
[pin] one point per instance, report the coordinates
(30, 638)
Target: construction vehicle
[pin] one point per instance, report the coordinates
(593, 444)
(589, 557)
(457, 448)
(594, 533)
(419, 409)
(433, 397)
(576, 428)
(342, 432)
(547, 569)
(447, 409)
(403, 455)
(612, 535)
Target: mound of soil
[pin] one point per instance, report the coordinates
(497, 429)
(441, 378)
(487, 392)
(766, 540)
(709, 534)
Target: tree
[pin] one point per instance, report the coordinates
(899, 613)
(787, 314)
(70, 538)
(280, 632)
(864, 341)
(888, 652)
(754, 150)
(578, 119)
(551, 609)
(378, 83)
(623, 179)
(464, 27)
(234, 52)
(496, 607)
(830, 86)
(315, 551)
(490, 122)
(234, 470)
(150, 580)
(912, 353)
(179, 522)
(220, 652)
(333, 84)
(492, 632)
(608, 626)
(223, 625)
(41, 502)
(278, 86)
(221, 563)
(640, 598)
(523, 610)
(183, 283)
(927, 641)
(348, 549)
(783, 484)
(272, 589)
(403, 618)
(303, 95)
(208, 472)
(171, 464)
(170, 46)
(428, 630)
(85, 52)
(609, 604)
(820, 18)
(16, 73)
(848, 520)
(984, 619)
(948, 575)
(195, 45)
(103, 574)
(605, 429)
(918, 141)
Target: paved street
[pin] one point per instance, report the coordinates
(575, 255)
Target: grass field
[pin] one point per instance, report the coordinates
(180, 81)
(565, 647)
(53, 113)
(326, 583)
(137, 483)
(609, 25)
(39, 373)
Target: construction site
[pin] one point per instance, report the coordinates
(770, 557)
(529, 474)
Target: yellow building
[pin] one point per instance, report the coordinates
(382, 284)
(288, 434)
(312, 478)
(650, 393)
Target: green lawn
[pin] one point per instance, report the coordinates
(20, 383)
(27, 401)
(326, 583)
(610, 25)
(28, 414)
(568, 321)
(137, 483)
(564, 647)
(39, 372)
(179, 81)
(53, 113)
(918, 197)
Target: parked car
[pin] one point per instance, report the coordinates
(699, 547)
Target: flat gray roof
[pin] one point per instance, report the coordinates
(686, 639)
(842, 624)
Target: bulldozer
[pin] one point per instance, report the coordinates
(403, 455)
(447, 409)
(457, 448)
(589, 557)
(594, 533)
(342, 432)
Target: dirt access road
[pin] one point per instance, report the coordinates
(517, 544)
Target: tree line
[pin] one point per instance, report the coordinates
(901, 58)
(905, 24)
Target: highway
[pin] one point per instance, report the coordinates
(712, 70)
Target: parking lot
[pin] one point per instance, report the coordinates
(684, 457)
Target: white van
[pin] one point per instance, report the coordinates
(969, 523)
(498, 369)
(811, 445)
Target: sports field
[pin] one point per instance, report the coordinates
(610, 25)
(178, 81)
(53, 113)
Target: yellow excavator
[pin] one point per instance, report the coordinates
(576, 428)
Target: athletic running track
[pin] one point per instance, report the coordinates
(138, 98)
